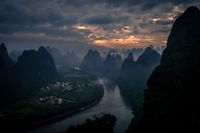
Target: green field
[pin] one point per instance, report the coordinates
(84, 91)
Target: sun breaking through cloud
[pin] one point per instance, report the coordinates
(85, 23)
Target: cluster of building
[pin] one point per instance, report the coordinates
(59, 87)
(64, 86)
(51, 100)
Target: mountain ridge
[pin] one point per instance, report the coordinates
(171, 100)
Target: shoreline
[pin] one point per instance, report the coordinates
(29, 127)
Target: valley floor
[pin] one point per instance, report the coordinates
(76, 92)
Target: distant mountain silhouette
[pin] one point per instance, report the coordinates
(112, 51)
(56, 54)
(36, 67)
(15, 54)
(146, 62)
(5, 61)
(128, 62)
(92, 62)
(67, 60)
(32, 70)
(106, 68)
(137, 52)
(172, 99)
(149, 57)
(134, 75)
(71, 59)
(112, 65)
(9, 86)
(160, 49)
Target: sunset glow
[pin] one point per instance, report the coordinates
(119, 37)
(80, 27)
(92, 24)
(129, 41)
(104, 66)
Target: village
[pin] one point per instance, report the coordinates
(52, 93)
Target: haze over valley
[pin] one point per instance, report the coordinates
(124, 66)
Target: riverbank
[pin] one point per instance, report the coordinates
(76, 92)
(111, 103)
(103, 123)
(55, 118)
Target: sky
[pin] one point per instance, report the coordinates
(84, 24)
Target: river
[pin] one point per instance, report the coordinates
(111, 102)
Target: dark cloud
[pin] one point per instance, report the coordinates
(164, 22)
(147, 4)
(164, 29)
(104, 19)
(100, 20)
(16, 14)
(54, 20)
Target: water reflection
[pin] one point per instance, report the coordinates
(111, 102)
